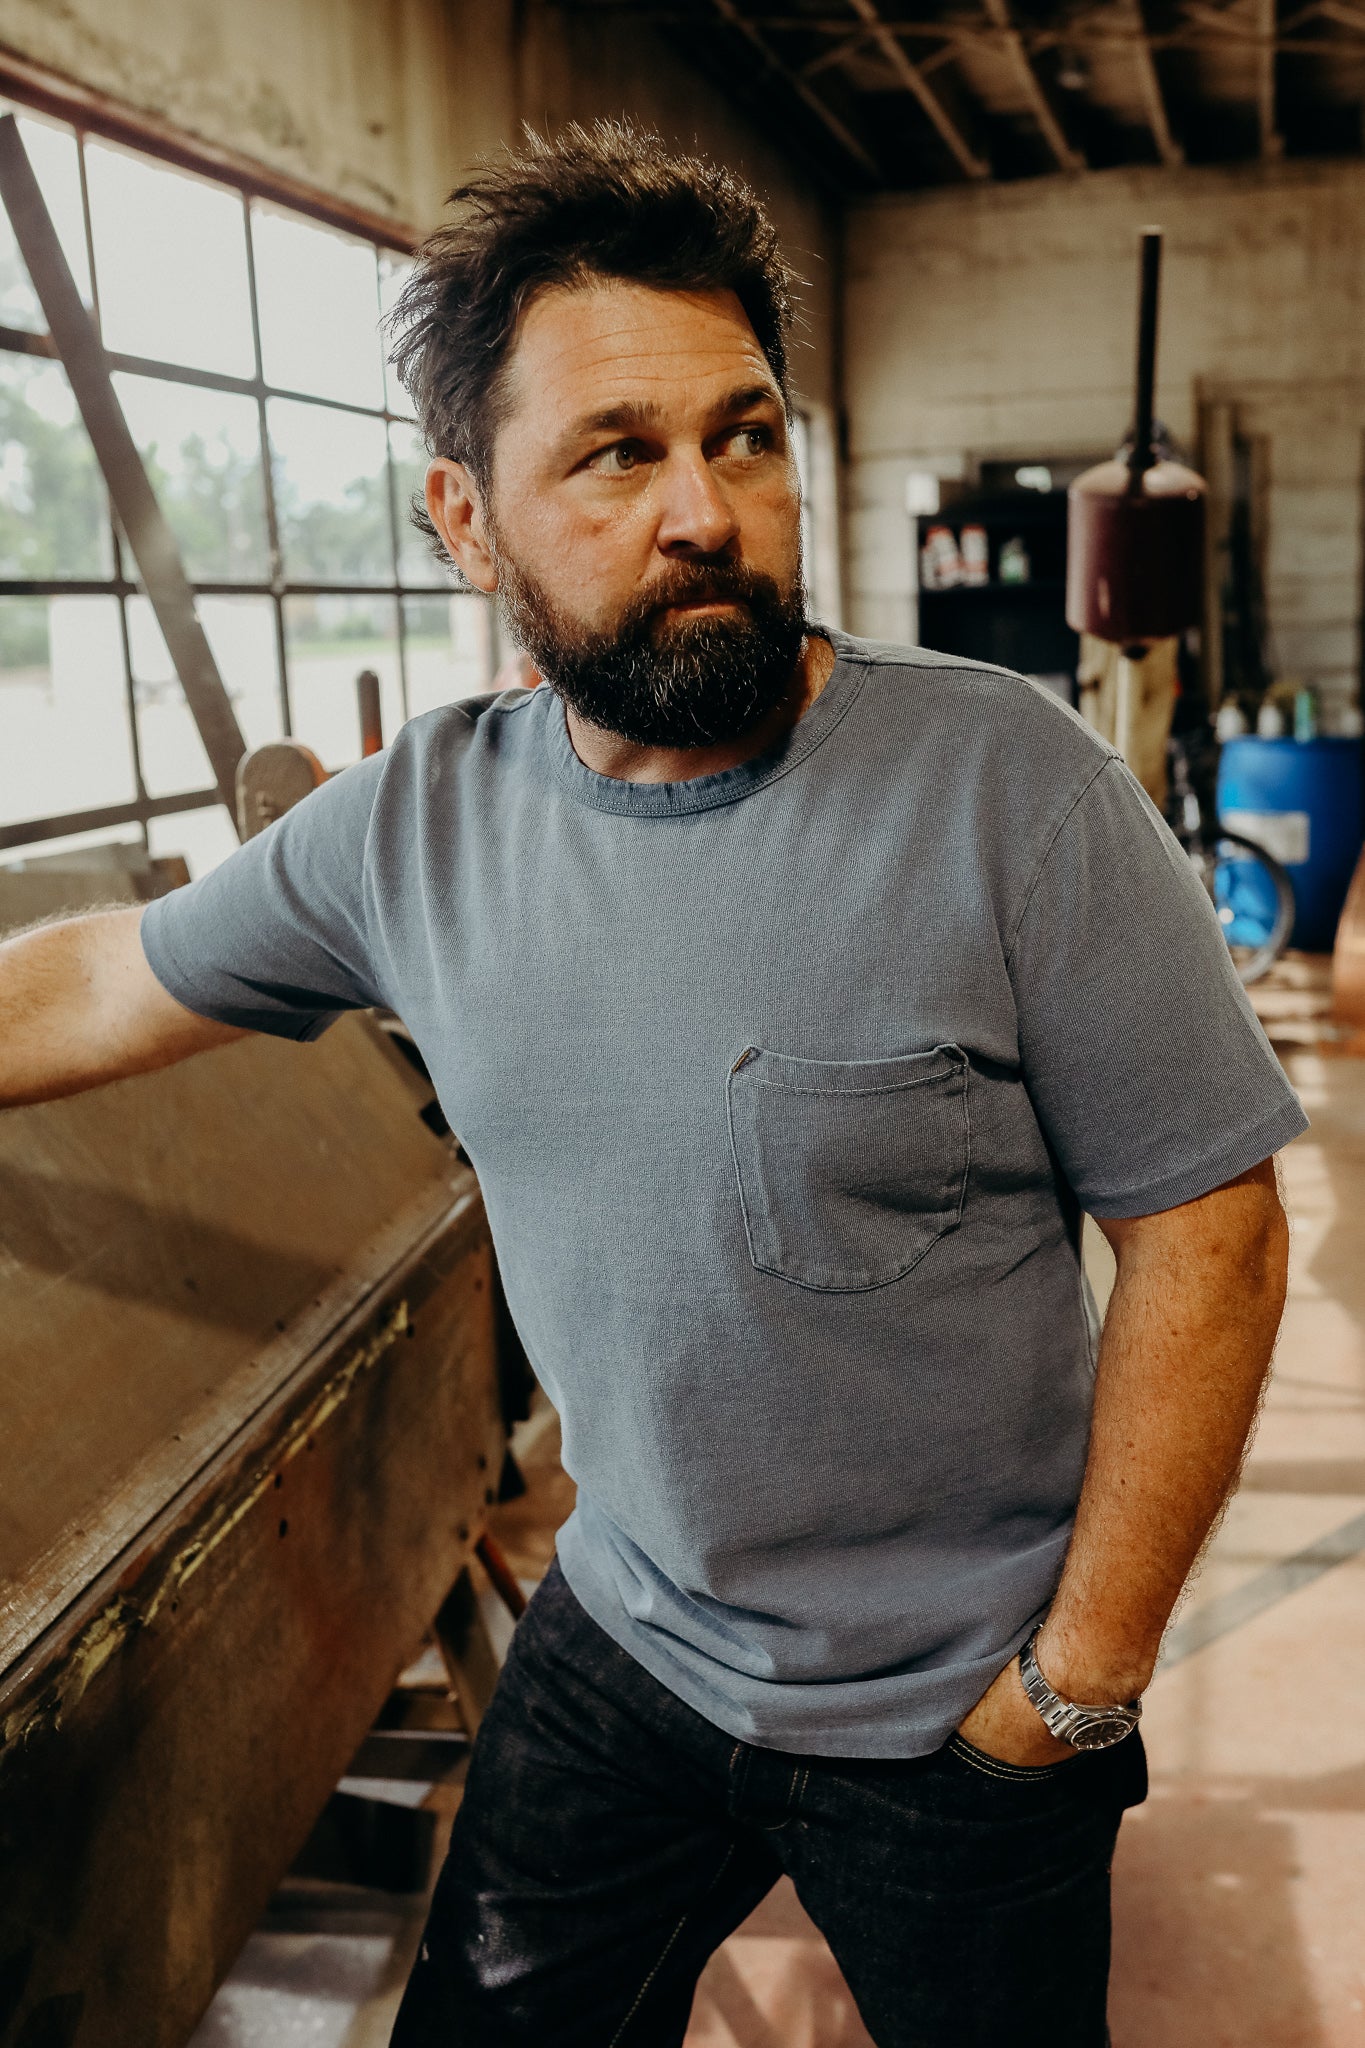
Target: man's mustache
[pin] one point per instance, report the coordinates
(702, 583)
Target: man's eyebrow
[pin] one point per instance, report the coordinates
(636, 416)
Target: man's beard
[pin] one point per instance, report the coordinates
(667, 682)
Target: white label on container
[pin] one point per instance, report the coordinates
(1284, 834)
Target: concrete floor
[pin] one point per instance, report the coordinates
(1240, 1886)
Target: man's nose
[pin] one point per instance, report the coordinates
(696, 516)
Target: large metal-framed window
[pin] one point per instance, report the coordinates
(245, 343)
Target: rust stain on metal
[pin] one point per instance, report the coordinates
(124, 1617)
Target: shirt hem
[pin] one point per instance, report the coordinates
(1262, 1141)
(885, 1740)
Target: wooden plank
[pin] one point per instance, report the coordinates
(968, 162)
(170, 1745)
(1040, 106)
(467, 1652)
(1149, 86)
(1267, 28)
(825, 115)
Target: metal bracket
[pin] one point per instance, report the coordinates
(143, 521)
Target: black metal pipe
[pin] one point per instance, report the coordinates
(1149, 293)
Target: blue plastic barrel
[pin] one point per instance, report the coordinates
(1302, 801)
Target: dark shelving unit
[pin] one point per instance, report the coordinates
(1015, 625)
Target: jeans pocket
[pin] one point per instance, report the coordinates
(988, 1766)
(849, 1171)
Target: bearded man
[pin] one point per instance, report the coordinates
(794, 998)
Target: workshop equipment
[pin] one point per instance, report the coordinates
(1135, 531)
(1135, 562)
(1302, 801)
(253, 1425)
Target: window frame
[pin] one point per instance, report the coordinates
(29, 92)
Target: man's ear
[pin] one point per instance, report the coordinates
(456, 510)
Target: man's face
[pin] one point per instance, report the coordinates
(642, 526)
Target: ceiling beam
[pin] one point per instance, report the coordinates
(1272, 142)
(1153, 99)
(1224, 29)
(812, 101)
(966, 158)
(1066, 158)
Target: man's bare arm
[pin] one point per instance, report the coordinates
(80, 1006)
(1187, 1344)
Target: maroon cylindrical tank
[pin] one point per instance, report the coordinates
(1135, 551)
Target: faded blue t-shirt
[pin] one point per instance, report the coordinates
(785, 1087)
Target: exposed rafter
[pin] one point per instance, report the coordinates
(826, 115)
(1040, 106)
(850, 65)
(1272, 142)
(968, 161)
(1153, 99)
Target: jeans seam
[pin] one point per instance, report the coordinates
(996, 1767)
(663, 1954)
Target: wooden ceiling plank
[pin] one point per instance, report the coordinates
(1153, 99)
(847, 140)
(971, 165)
(1067, 158)
(1272, 142)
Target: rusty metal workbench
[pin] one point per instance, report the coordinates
(249, 1428)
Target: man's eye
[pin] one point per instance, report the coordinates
(618, 460)
(751, 441)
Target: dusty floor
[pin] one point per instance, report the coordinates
(1240, 1886)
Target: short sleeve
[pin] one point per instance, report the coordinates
(1148, 1070)
(277, 938)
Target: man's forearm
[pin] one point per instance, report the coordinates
(1186, 1346)
(80, 1006)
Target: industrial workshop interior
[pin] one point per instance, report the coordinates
(682, 1024)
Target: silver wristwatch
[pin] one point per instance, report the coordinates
(1082, 1727)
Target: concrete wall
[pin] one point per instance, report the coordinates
(384, 102)
(999, 323)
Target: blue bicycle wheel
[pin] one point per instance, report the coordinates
(1254, 899)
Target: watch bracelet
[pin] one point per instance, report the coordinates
(1067, 1719)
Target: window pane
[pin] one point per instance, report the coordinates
(241, 633)
(448, 649)
(170, 257)
(416, 563)
(63, 712)
(201, 838)
(54, 518)
(394, 272)
(173, 757)
(318, 298)
(331, 494)
(203, 454)
(328, 640)
(52, 152)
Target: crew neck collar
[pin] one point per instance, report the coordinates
(731, 785)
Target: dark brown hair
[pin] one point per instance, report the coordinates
(606, 201)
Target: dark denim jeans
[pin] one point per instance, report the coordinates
(610, 1838)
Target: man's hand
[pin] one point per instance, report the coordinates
(80, 1006)
(1186, 1347)
(1006, 1724)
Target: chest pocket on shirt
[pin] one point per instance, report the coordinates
(849, 1171)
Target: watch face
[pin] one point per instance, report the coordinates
(1100, 1733)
